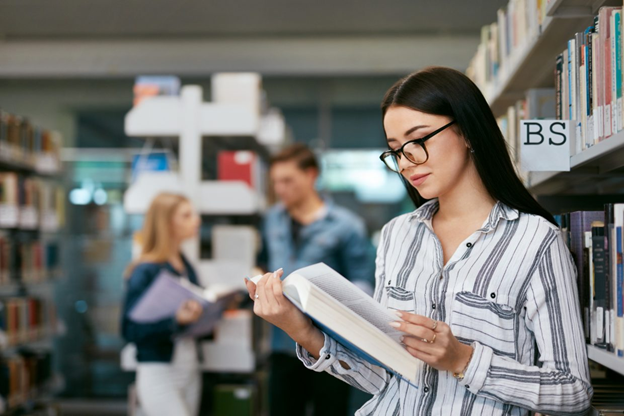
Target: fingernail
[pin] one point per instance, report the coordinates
(395, 324)
(399, 314)
(247, 279)
(402, 338)
(279, 270)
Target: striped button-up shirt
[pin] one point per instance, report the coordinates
(509, 290)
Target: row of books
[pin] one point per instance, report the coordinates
(595, 239)
(23, 376)
(30, 203)
(22, 142)
(28, 261)
(588, 80)
(26, 319)
(517, 25)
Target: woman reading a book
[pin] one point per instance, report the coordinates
(481, 280)
(168, 375)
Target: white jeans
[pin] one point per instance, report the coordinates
(171, 389)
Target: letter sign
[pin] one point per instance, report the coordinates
(545, 145)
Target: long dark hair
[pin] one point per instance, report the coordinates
(447, 92)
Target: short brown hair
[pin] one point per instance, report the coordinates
(299, 153)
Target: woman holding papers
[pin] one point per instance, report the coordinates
(479, 274)
(168, 375)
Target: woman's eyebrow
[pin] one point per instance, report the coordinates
(413, 129)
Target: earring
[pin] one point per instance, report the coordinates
(471, 150)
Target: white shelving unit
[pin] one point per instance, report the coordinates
(190, 119)
(234, 114)
(537, 56)
(606, 359)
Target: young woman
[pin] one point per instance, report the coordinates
(168, 375)
(482, 282)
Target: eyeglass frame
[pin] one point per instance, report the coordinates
(420, 142)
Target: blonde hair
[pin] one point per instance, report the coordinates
(155, 236)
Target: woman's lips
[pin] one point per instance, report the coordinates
(419, 179)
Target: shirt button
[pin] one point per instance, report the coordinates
(426, 389)
(433, 306)
(492, 295)
(389, 281)
(468, 387)
(328, 356)
(469, 245)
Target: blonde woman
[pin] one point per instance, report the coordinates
(168, 376)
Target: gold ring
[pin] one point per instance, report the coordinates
(435, 325)
(434, 338)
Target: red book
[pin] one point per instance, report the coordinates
(239, 166)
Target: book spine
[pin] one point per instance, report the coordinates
(558, 87)
(599, 284)
(613, 48)
(619, 329)
(618, 58)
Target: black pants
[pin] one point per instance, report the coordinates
(292, 387)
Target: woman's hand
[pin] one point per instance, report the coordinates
(189, 312)
(271, 305)
(433, 342)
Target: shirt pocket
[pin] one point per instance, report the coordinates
(493, 324)
(399, 299)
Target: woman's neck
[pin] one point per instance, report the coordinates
(467, 201)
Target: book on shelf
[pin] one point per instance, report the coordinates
(596, 241)
(588, 77)
(30, 203)
(516, 26)
(351, 317)
(165, 296)
(25, 319)
(28, 145)
(22, 375)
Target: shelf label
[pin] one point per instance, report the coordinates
(545, 145)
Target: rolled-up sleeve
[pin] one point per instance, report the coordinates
(358, 373)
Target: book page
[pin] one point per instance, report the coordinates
(345, 292)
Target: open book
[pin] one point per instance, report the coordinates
(164, 297)
(351, 317)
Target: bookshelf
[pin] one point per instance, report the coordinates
(597, 170)
(237, 120)
(31, 215)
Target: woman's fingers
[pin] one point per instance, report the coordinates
(272, 303)
(251, 288)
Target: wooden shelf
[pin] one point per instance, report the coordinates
(606, 359)
(593, 168)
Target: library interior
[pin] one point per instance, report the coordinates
(266, 208)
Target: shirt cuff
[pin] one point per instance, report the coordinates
(327, 355)
(478, 368)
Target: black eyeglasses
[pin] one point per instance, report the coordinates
(413, 150)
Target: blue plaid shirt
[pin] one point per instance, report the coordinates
(337, 239)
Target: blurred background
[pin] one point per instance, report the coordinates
(92, 94)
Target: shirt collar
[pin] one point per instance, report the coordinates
(500, 211)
